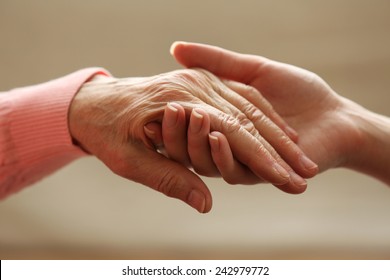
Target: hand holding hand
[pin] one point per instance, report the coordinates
(108, 115)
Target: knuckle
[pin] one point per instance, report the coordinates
(177, 85)
(250, 119)
(229, 123)
(195, 83)
(284, 140)
(253, 113)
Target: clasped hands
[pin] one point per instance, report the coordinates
(245, 118)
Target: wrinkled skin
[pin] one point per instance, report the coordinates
(108, 115)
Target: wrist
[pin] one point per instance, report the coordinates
(371, 152)
(80, 109)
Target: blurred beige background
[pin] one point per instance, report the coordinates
(84, 211)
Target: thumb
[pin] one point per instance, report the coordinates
(166, 176)
(230, 65)
(223, 63)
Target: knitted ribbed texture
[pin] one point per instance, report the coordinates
(34, 134)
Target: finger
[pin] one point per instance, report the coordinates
(276, 139)
(257, 99)
(147, 167)
(153, 131)
(223, 63)
(248, 150)
(198, 144)
(232, 171)
(174, 132)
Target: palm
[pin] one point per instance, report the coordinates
(307, 103)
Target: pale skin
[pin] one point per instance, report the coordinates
(108, 115)
(333, 131)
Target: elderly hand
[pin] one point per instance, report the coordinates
(108, 115)
(194, 142)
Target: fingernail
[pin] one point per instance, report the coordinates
(196, 121)
(197, 200)
(214, 142)
(150, 133)
(173, 46)
(308, 164)
(283, 173)
(171, 119)
(298, 180)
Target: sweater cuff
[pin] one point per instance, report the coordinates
(40, 116)
(38, 128)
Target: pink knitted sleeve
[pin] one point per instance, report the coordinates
(34, 134)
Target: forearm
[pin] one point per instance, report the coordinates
(34, 135)
(373, 155)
